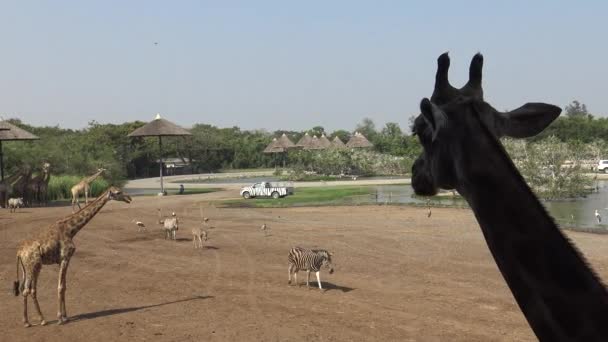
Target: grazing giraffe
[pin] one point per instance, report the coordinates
(54, 245)
(39, 185)
(84, 186)
(558, 293)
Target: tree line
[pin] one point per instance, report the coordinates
(210, 148)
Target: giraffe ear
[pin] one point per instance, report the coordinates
(434, 117)
(527, 120)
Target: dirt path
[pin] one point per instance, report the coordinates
(400, 276)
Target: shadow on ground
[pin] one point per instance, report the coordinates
(111, 312)
(329, 286)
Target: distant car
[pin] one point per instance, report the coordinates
(603, 166)
(266, 189)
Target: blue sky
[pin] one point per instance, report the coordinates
(287, 65)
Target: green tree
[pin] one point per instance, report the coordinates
(576, 109)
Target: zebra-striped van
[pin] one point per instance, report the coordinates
(266, 189)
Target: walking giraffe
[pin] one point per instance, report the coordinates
(558, 293)
(54, 245)
(84, 186)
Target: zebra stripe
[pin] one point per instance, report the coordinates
(308, 260)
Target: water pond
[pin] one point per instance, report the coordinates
(576, 213)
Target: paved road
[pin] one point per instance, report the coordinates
(169, 182)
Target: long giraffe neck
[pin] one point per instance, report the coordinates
(78, 220)
(557, 291)
(93, 177)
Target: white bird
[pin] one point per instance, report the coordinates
(140, 225)
(598, 217)
(265, 229)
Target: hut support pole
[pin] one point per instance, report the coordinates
(160, 148)
(1, 162)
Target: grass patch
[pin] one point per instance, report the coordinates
(170, 192)
(60, 186)
(312, 196)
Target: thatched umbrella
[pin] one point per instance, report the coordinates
(337, 143)
(304, 142)
(160, 127)
(10, 132)
(358, 140)
(324, 142)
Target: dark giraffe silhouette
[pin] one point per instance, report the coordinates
(559, 294)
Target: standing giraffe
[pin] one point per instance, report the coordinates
(84, 186)
(54, 245)
(558, 293)
(39, 185)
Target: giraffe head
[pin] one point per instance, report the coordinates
(456, 128)
(116, 194)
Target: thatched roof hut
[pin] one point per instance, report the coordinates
(285, 142)
(324, 142)
(315, 144)
(274, 147)
(304, 142)
(159, 127)
(8, 132)
(337, 143)
(358, 140)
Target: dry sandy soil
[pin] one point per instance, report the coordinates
(400, 276)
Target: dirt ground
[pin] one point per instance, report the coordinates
(400, 276)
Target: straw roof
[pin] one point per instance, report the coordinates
(159, 127)
(358, 140)
(337, 143)
(315, 144)
(274, 147)
(9, 131)
(324, 142)
(305, 141)
(284, 142)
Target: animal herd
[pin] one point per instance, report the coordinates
(54, 245)
(557, 291)
(31, 189)
(23, 189)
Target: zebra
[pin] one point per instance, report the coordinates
(308, 260)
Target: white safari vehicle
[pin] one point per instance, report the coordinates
(603, 166)
(266, 189)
